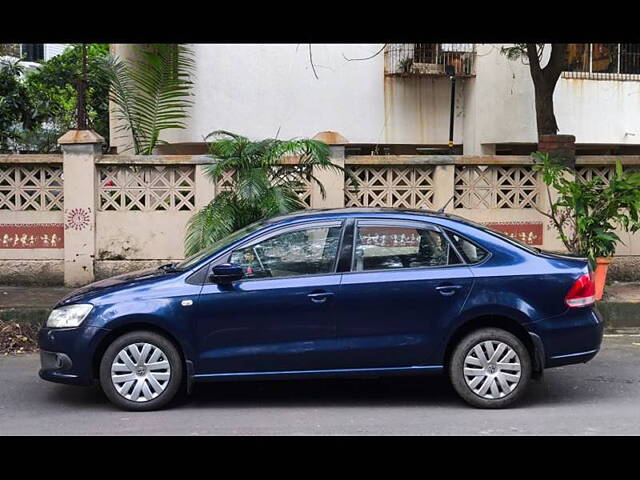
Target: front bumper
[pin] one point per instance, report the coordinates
(573, 337)
(66, 354)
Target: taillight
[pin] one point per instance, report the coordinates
(582, 293)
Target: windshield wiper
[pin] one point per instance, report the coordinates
(169, 267)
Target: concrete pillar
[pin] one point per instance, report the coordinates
(470, 129)
(560, 147)
(443, 179)
(488, 149)
(332, 180)
(205, 187)
(80, 149)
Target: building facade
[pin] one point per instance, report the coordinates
(401, 98)
(35, 52)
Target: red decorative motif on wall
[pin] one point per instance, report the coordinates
(77, 218)
(527, 232)
(392, 237)
(32, 235)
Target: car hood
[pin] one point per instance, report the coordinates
(114, 283)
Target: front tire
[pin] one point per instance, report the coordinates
(490, 368)
(141, 371)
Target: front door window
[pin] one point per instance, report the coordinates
(310, 251)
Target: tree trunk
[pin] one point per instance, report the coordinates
(544, 82)
(545, 116)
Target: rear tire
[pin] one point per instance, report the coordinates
(141, 371)
(490, 368)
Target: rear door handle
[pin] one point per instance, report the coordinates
(448, 290)
(319, 297)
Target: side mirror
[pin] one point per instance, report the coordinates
(226, 273)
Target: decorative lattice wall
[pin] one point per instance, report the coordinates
(225, 183)
(389, 186)
(483, 186)
(281, 173)
(146, 188)
(296, 173)
(605, 173)
(31, 187)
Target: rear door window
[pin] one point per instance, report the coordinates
(471, 252)
(385, 247)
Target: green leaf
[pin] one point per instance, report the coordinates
(151, 92)
(262, 186)
(618, 168)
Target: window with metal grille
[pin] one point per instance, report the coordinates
(604, 58)
(33, 52)
(430, 59)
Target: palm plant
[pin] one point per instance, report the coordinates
(151, 91)
(262, 186)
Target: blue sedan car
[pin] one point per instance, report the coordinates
(349, 292)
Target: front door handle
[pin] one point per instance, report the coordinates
(448, 290)
(319, 297)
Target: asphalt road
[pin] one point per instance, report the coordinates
(601, 397)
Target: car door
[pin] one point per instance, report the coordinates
(406, 282)
(279, 316)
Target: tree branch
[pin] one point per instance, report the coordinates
(365, 58)
(313, 67)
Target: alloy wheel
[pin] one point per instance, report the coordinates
(492, 369)
(140, 372)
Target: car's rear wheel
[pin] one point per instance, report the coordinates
(141, 371)
(490, 368)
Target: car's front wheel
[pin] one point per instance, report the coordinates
(140, 371)
(490, 368)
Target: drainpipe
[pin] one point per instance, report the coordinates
(450, 69)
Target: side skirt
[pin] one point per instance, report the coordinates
(337, 373)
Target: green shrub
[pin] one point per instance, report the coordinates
(587, 214)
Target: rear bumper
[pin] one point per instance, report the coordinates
(574, 337)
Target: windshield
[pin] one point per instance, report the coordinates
(219, 245)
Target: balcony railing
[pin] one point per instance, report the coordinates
(430, 59)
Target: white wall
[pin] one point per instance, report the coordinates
(599, 111)
(256, 89)
(499, 104)
(53, 49)
(418, 110)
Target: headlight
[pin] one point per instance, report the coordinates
(68, 316)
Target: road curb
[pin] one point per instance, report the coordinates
(34, 315)
(620, 317)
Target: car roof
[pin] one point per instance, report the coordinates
(354, 211)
